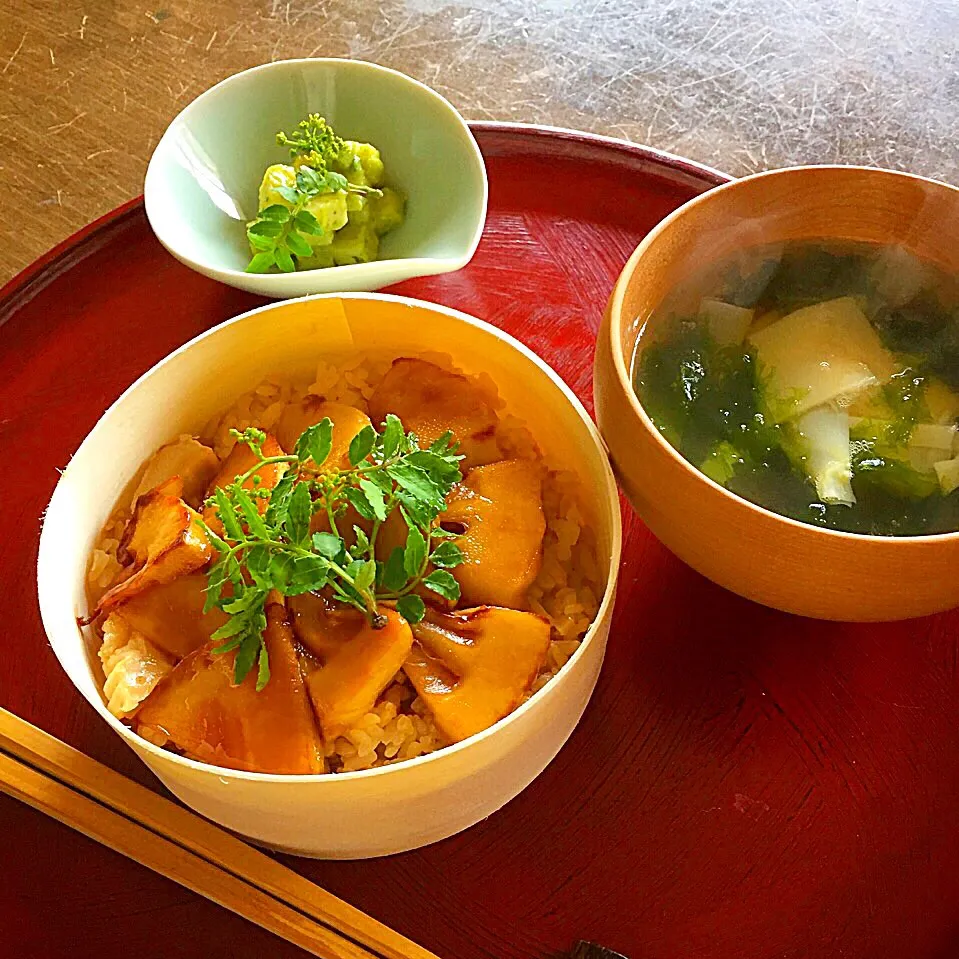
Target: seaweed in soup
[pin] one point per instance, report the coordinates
(887, 423)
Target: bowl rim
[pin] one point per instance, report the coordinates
(618, 320)
(354, 272)
(48, 594)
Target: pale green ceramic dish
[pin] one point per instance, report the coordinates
(201, 184)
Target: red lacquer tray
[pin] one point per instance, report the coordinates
(744, 784)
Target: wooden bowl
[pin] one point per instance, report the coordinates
(744, 547)
(371, 812)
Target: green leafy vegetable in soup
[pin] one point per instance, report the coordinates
(820, 383)
(328, 207)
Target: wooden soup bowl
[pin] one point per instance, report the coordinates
(748, 549)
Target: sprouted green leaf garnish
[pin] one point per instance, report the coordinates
(315, 140)
(279, 233)
(264, 540)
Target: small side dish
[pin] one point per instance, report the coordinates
(201, 188)
(820, 380)
(342, 575)
(327, 207)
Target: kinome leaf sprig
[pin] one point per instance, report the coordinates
(280, 232)
(264, 540)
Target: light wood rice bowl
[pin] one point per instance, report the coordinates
(418, 790)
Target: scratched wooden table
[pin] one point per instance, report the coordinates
(86, 88)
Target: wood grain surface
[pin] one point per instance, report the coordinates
(744, 784)
(88, 86)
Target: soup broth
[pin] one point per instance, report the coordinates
(818, 380)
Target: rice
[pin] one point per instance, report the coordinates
(132, 666)
(567, 591)
(400, 727)
(105, 568)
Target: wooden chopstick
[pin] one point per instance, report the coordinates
(63, 782)
(173, 861)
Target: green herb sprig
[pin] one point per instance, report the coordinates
(275, 549)
(315, 140)
(279, 233)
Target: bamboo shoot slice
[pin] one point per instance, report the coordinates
(817, 355)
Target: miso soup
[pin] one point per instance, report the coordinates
(818, 380)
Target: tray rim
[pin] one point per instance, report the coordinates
(615, 145)
(32, 279)
(22, 287)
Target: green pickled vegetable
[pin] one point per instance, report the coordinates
(326, 208)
